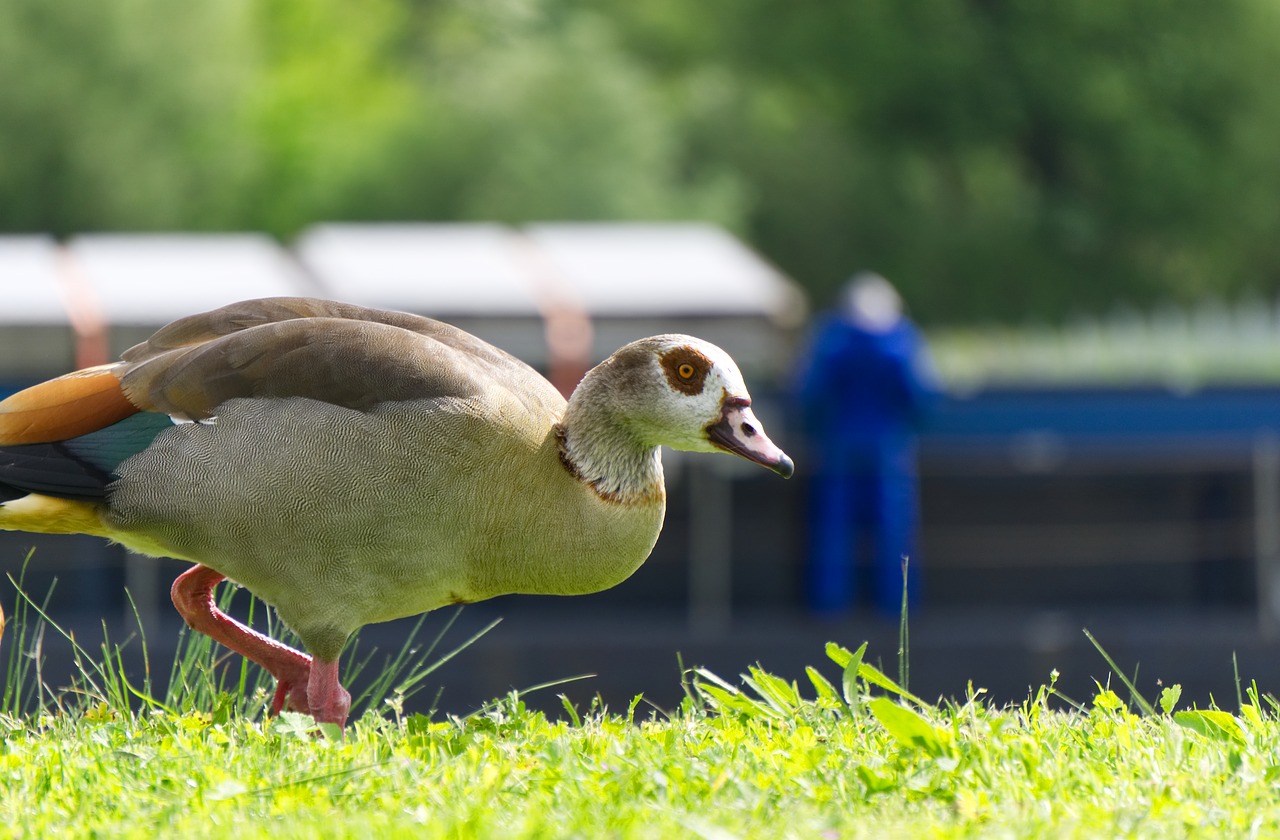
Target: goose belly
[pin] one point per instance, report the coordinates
(340, 518)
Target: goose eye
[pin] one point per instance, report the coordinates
(686, 369)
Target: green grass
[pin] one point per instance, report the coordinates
(854, 756)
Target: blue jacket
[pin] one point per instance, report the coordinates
(865, 389)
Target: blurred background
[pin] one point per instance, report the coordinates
(1078, 203)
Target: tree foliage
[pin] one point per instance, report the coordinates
(1006, 158)
(995, 158)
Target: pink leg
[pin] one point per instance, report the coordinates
(329, 701)
(193, 596)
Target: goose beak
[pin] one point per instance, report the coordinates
(738, 431)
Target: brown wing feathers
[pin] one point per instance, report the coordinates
(91, 399)
(276, 347)
(355, 364)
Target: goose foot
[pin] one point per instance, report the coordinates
(301, 685)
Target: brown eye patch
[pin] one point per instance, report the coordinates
(686, 369)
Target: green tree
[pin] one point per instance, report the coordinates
(332, 95)
(995, 158)
(116, 115)
(1004, 158)
(532, 111)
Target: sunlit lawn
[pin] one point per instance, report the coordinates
(751, 757)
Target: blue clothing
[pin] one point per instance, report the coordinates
(861, 387)
(863, 395)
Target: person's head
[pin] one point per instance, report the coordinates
(871, 302)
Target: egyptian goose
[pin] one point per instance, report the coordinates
(350, 465)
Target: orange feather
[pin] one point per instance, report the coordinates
(63, 408)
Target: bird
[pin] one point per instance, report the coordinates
(350, 465)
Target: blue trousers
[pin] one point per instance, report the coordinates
(863, 498)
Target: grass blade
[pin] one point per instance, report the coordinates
(1137, 697)
(904, 640)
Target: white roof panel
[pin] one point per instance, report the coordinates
(453, 269)
(671, 269)
(29, 281)
(154, 278)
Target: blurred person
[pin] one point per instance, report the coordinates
(865, 382)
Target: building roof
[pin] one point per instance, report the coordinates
(437, 269)
(151, 279)
(627, 270)
(29, 278)
(606, 269)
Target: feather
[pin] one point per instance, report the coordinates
(79, 468)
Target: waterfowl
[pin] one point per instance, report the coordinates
(350, 465)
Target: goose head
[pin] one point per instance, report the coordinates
(666, 390)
